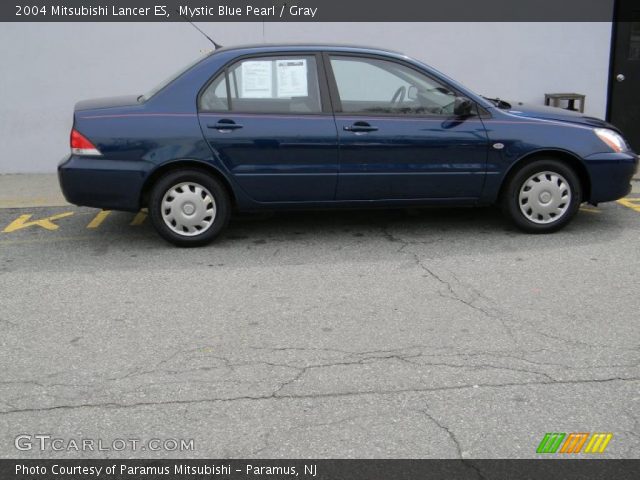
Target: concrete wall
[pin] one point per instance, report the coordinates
(46, 68)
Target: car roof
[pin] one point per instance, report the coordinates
(278, 47)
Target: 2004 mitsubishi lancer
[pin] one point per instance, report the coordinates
(319, 126)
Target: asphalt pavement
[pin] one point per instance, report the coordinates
(375, 334)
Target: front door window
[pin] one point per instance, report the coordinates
(374, 86)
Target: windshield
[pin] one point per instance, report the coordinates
(160, 86)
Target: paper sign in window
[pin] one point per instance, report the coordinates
(292, 78)
(256, 79)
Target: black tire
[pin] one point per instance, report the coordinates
(218, 221)
(511, 203)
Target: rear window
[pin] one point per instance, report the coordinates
(279, 84)
(146, 96)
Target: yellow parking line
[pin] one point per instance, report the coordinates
(98, 219)
(23, 222)
(589, 210)
(632, 203)
(139, 219)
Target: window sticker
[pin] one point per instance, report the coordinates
(292, 78)
(256, 79)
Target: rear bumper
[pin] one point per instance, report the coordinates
(610, 175)
(100, 183)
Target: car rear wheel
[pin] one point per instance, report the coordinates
(542, 196)
(189, 208)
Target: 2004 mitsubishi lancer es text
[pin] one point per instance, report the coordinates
(318, 126)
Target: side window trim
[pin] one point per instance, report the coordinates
(228, 88)
(335, 95)
(325, 96)
(235, 83)
(336, 105)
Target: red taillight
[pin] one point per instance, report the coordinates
(80, 145)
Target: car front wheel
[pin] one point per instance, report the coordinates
(542, 196)
(189, 208)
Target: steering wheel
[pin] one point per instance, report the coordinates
(398, 97)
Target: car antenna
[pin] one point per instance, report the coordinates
(216, 46)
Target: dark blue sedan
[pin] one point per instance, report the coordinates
(319, 126)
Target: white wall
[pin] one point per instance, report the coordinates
(47, 67)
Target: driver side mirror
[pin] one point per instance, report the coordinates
(412, 93)
(463, 107)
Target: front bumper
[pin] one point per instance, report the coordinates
(101, 183)
(610, 175)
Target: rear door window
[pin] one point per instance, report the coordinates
(277, 84)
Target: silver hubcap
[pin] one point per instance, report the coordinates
(188, 209)
(545, 197)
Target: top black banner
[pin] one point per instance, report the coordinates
(312, 11)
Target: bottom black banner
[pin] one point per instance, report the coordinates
(569, 469)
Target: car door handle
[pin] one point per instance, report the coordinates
(225, 125)
(360, 127)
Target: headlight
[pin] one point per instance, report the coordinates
(612, 139)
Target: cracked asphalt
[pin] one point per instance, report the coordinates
(377, 334)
